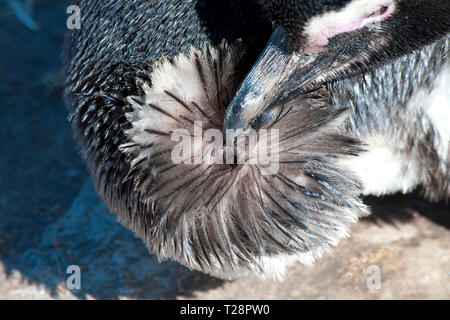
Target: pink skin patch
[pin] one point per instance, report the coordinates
(316, 44)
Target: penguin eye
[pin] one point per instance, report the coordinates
(377, 15)
(381, 11)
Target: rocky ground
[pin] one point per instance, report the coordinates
(50, 216)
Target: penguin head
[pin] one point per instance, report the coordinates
(320, 41)
(309, 26)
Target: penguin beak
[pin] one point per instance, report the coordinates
(256, 95)
(279, 75)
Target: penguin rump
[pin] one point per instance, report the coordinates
(226, 219)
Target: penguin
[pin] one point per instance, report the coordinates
(143, 75)
(385, 60)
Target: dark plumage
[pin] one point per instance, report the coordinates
(112, 56)
(139, 71)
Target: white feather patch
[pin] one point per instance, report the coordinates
(385, 168)
(436, 104)
(354, 16)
